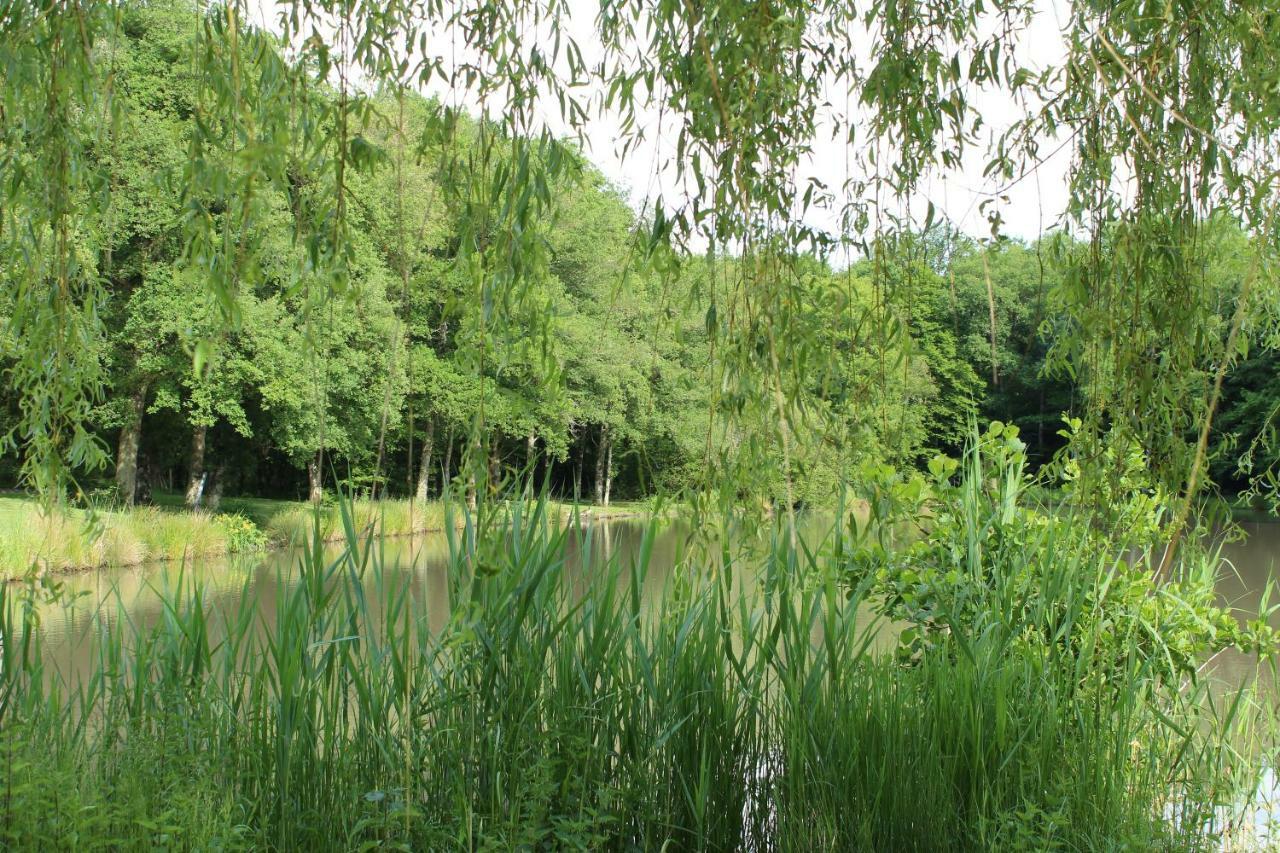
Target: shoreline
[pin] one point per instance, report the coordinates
(286, 528)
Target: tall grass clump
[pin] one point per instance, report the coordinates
(297, 523)
(68, 539)
(743, 708)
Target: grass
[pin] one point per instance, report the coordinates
(71, 541)
(741, 710)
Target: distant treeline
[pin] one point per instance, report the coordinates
(601, 379)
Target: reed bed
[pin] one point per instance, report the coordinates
(74, 540)
(743, 709)
(398, 517)
(298, 522)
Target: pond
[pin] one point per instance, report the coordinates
(136, 593)
(422, 563)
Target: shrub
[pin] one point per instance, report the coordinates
(240, 532)
(1056, 582)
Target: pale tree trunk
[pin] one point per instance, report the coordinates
(195, 467)
(608, 471)
(127, 452)
(314, 474)
(601, 451)
(215, 493)
(447, 483)
(577, 471)
(424, 467)
(531, 461)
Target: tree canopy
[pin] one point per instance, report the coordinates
(268, 242)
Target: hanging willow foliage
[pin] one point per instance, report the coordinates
(1171, 109)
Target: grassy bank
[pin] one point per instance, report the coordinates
(742, 710)
(295, 522)
(73, 541)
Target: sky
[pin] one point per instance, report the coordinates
(1028, 208)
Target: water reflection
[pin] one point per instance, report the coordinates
(1249, 565)
(421, 563)
(420, 566)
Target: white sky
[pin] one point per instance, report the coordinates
(1033, 203)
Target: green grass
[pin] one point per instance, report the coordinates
(68, 541)
(741, 710)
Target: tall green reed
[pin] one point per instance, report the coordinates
(740, 708)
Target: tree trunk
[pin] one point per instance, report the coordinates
(531, 461)
(447, 482)
(424, 467)
(195, 467)
(608, 472)
(127, 452)
(315, 475)
(601, 451)
(215, 492)
(991, 310)
(577, 471)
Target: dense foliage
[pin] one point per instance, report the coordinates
(234, 255)
(600, 378)
(742, 706)
(601, 374)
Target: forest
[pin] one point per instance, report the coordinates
(376, 471)
(602, 382)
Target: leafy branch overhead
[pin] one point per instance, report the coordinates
(271, 231)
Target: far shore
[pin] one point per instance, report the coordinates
(33, 543)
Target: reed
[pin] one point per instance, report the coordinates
(297, 522)
(743, 709)
(72, 540)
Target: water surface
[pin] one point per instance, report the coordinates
(137, 593)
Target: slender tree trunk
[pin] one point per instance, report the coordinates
(601, 452)
(448, 463)
(531, 462)
(577, 471)
(195, 467)
(127, 452)
(315, 475)
(991, 310)
(608, 471)
(424, 467)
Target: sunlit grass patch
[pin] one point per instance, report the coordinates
(70, 539)
(296, 523)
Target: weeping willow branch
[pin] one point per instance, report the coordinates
(1179, 523)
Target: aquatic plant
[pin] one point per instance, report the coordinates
(742, 708)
